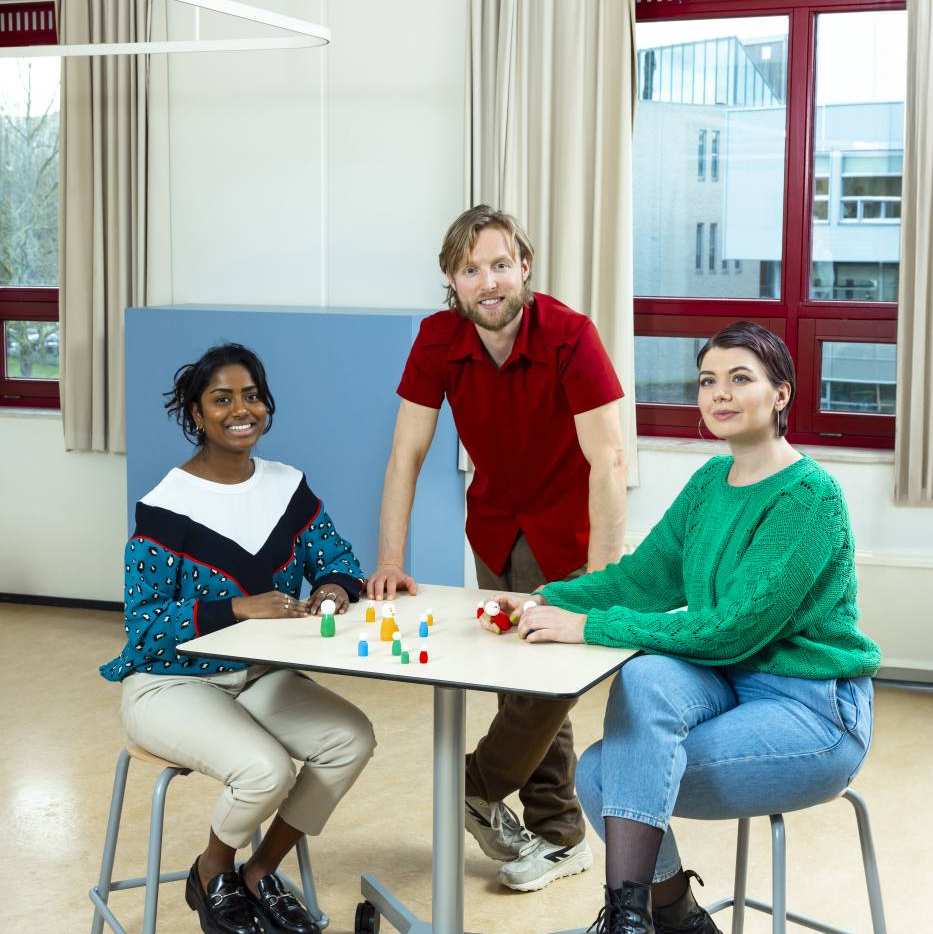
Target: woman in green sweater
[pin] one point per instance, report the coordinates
(756, 698)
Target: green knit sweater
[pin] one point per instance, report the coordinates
(766, 572)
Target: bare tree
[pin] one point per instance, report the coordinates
(31, 342)
(28, 185)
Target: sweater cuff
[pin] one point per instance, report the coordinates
(352, 585)
(598, 630)
(211, 615)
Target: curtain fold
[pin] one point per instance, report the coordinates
(551, 97)
(913, 454)
(103, 164)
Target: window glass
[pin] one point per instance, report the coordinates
(718, 114)
(854, 282)
(31, 349)
(858, 377)
(666, 369)
(29, 171)
(858, 155)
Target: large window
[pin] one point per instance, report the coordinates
(29, 130)
(794, 110)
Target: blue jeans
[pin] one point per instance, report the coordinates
(717, 743)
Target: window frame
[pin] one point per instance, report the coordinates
(686, 316)
(19, 303)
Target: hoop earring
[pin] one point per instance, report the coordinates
(700, 430)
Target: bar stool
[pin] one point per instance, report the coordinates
(738, 902)
(154, 876)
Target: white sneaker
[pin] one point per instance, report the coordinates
(496, 828)
(540, 863)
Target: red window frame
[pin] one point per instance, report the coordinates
(802, 322)
(27, 24)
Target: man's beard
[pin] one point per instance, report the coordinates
(510, 309)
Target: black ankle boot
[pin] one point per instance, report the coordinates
(627, 911)
(684, 916)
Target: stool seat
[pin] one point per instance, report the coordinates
(143, 755)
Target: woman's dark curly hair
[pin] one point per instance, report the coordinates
(192, 379)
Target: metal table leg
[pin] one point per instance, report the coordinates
(447, 857)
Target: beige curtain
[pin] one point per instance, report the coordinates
(102, 215)
(551, 94)
(913, 454)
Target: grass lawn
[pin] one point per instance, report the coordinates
(39, 370)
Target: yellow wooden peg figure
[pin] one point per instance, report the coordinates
(389, 626)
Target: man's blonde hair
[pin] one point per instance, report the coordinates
(462, 234)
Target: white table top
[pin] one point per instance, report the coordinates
(460, 652)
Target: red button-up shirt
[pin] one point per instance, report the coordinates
(516, 422)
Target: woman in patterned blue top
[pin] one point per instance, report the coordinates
(227, 537)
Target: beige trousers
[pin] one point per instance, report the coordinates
(244, 728)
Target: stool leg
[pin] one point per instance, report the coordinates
(110, 841)
(870, 864)
(778, 876)
(307, 877)
(154, 862)
(741, 876)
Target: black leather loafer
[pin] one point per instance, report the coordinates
(225, 908)
(279, 909)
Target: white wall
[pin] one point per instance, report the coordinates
(62, 516)
(322, 176)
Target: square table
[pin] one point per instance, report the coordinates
(462, 656)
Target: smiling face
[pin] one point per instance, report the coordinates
(490, 282)
(736, 398)
(230, 412)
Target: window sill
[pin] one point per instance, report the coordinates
(24, 412)
(827, 454)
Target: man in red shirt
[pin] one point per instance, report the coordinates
(535, 400)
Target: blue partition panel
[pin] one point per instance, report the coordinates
(333, 374)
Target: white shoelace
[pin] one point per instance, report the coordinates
(505, 821)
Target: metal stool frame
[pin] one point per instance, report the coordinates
(778, 909)
(154, 876)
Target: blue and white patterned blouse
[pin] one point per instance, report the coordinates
(198, 544)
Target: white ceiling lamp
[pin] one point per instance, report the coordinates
(304, 34)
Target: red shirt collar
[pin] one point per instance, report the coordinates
(528, 342)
